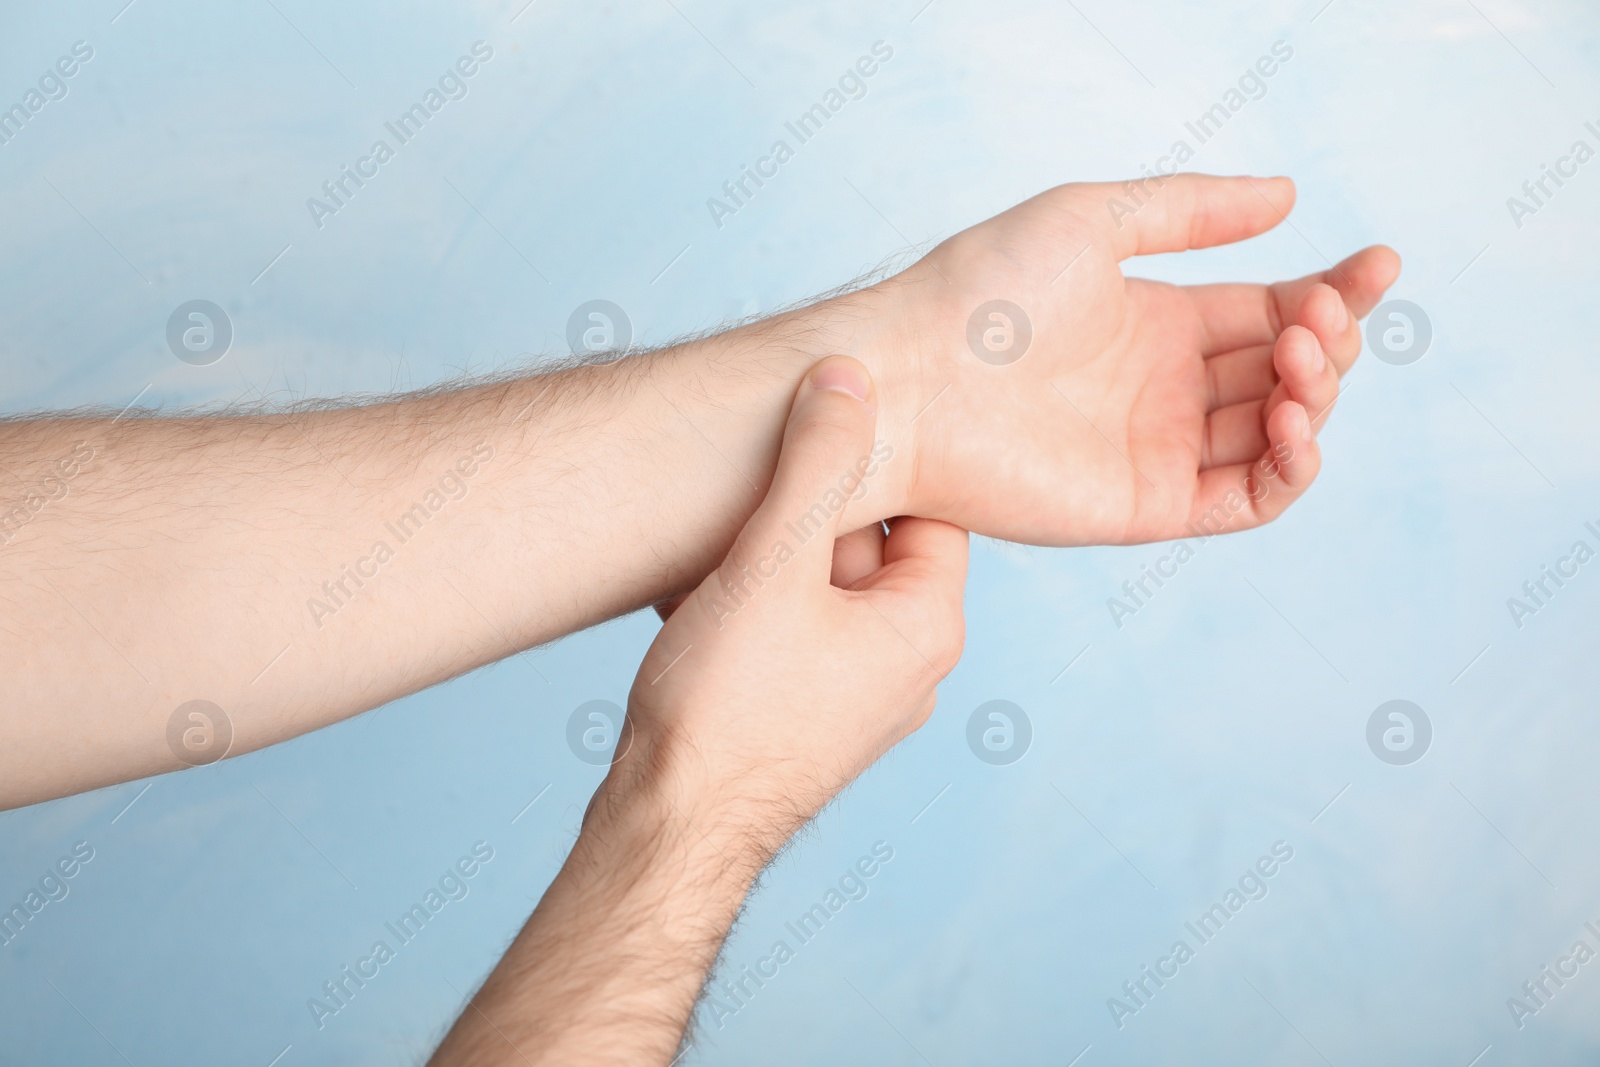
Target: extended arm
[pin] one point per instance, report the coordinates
(293, 569)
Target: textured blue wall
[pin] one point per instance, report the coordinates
(1228, 714)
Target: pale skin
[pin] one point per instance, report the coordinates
(746, 721)
(188, 556)
(212, 558)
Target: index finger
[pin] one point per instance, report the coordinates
(1238, 315)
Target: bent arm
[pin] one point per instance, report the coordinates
(294, 569)
(767, 714)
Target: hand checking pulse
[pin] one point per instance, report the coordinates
(779, 679)
(1138, 409)
(188, 556)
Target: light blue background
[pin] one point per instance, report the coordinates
(1178, 748)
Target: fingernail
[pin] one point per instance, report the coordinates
(1341, 318)
(843, 376)
(1321, 359)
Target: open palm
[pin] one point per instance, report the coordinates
(1136, 411)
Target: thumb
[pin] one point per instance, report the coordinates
(826, 455)
(1171, 213)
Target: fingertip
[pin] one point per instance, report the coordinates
(856, 555)
(1386, 264)
(1295, 451)
(1289, 424)
(1298, 357)
(1364, 277)
(1324, 312)
(1280, 189)
(913, 535)
(932, 549)
(842, 374)
(834, 409)
(824, 462)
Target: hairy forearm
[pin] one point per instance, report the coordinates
(608, 968)
(296, 568)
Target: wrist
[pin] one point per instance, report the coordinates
(652, 806)
(740, 385)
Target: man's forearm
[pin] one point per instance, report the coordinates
(608, 968)
(294, 569)
(771, 712)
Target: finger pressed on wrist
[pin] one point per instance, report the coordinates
(841, 374)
